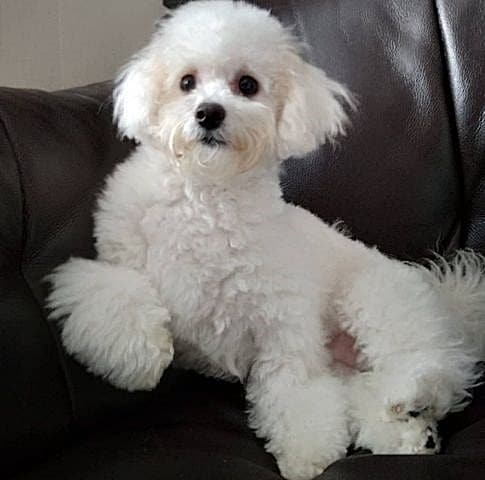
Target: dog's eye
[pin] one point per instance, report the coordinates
(248, 86)
(187, 83)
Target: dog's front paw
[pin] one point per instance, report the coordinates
(131, 353)
(146, 357)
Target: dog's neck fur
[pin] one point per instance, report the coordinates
(257, 189)
(260, 180)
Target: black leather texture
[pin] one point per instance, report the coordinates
(409, 178)
(462, 30)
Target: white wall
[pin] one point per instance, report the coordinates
(55, 44)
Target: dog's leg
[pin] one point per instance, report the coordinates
(112, 321)
(421, 369)
(297, 406)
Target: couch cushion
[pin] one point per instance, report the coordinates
(197, 432)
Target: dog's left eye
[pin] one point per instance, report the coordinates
(187, 83)
(248, 86)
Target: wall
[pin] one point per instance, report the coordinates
(53, 44)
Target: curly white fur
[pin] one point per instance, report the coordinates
(198, 253)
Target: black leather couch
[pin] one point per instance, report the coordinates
(410, 178)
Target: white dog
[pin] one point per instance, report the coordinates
(198, 254)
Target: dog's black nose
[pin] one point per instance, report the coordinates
(210, 115)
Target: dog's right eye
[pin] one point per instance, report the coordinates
(187, 83)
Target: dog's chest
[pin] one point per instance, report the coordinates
(200, 258)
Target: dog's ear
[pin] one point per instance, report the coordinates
(132, 98)
(313, 111)
(138, 86)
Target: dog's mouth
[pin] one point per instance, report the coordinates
(212, 140)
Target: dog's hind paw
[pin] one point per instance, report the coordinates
(413, 435)
(417, 437)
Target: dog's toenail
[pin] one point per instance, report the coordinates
(414, 413)
(430, 443)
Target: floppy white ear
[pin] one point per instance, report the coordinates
(138, 85)
(313, 111)
(134, 96)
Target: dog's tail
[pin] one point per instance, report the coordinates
(461, 283)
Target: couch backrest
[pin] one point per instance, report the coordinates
(409, 178)
(406, 177)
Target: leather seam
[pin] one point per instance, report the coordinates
(450, 99)
(23, 241)
(21, 190)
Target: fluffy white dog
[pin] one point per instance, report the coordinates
(198, 254)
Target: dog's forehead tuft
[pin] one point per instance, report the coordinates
(223, 30)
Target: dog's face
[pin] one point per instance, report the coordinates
(221, 87)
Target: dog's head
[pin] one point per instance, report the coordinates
(221, 86)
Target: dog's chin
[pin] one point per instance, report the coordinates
(214, 157)
(210, 160)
